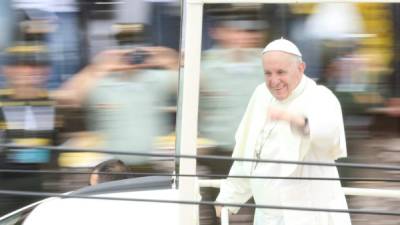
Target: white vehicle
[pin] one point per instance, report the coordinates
(66, 211)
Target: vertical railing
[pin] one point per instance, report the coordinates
(189, 97)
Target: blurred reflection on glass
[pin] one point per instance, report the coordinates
(230, 72)
(316, 24)
(6, 24)
(27, 117)
(123, 91)
(349, 63)
(63, 36)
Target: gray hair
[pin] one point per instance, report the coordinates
(296, 58)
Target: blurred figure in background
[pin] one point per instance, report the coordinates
(346, 68)
(28, 117)
(123, 90)
(6, 24)
(230, 71)
(64, 38)
(116, 168)
(327, 24)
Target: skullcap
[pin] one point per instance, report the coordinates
(282, 45)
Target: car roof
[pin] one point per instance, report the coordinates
(101, 211)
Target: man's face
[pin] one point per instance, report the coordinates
(26, 75)
(282, 72)
(230, 37)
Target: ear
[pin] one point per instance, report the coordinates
(302, 67)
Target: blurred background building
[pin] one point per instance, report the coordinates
(353, 49)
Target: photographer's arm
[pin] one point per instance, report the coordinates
(74, 91)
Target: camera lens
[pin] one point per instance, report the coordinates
(138, 57)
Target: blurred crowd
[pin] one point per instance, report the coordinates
(105, 75)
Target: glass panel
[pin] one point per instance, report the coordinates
(87, 75)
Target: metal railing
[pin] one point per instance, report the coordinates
(368, 192)
(216, 182)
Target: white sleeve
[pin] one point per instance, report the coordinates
(237, 190)
(326, 123)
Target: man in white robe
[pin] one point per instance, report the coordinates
(289, 117)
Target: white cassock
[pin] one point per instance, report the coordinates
(325, 143)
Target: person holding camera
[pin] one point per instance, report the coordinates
(229, 73)
(122, 90)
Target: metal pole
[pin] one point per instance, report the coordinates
(187, 121)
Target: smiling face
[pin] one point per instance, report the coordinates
(283, 73)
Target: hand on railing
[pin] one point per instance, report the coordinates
(224, 213)
(218, 209)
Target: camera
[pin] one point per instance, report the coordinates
(138, 56)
